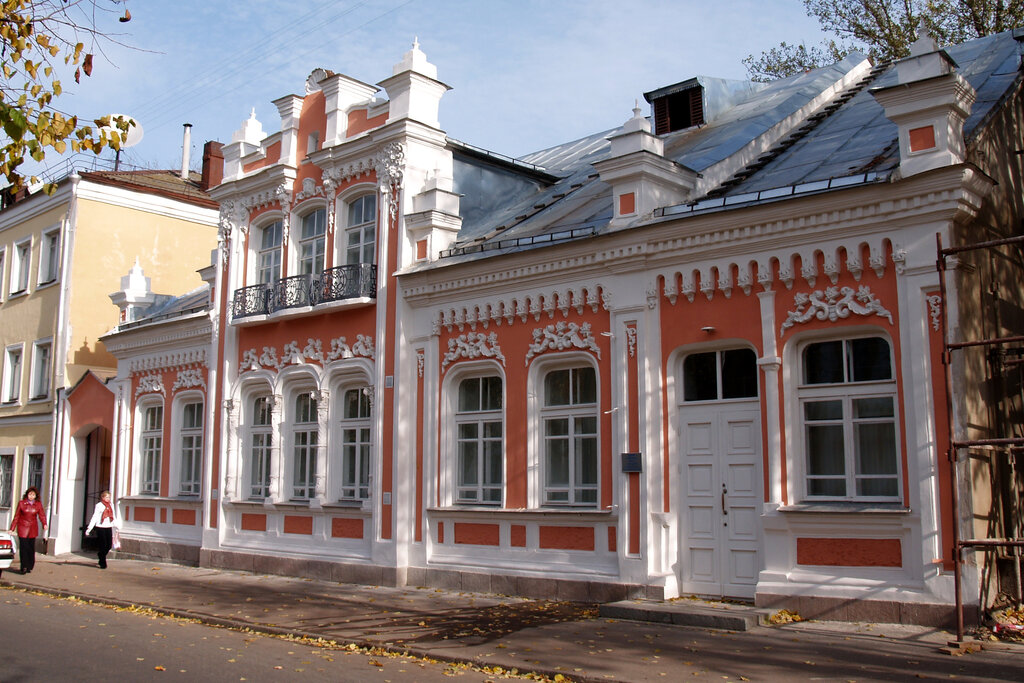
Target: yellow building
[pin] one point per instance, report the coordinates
(60, 257)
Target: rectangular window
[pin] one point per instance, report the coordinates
(41, 370)
(19, 266)
(191, 448)
(3, 262)
(269, 258)
(848, 409)
(151, 444)
(6, 480)
(360, 230)
(260, 436)
(35, 470)
(305, 440)
(479, 428)
(569, 433)
(12, 374)
(355, 445)
(313, 242)
(49, 257)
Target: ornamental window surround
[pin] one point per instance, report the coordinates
(479, 440)
(846, 424)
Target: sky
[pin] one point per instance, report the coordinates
(525, 74)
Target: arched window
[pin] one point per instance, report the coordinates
(355, 444)
(260, 440)
(361, 230)
(312, 242)
(190, 451)
(479, 435)
(569, 430)
(848, 418)
(151, 443)
(305, 441)
(268, 259)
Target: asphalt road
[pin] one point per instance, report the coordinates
(49, 639)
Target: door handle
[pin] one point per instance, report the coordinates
(725, 510)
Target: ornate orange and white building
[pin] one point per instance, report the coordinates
(700, 353)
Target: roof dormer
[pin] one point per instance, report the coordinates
(678, 106)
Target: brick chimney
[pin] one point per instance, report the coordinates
(213, 165)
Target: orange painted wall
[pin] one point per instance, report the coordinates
(517, 536)
(143, 514)
(298, 524)
(324, 327)
(91, 403)
(251, 522)
(566, 537)
(477, 534)
(272, 157)
(849, 552)
(185, 517)
(359, 122)
(343, 527)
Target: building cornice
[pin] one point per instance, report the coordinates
(143, 201)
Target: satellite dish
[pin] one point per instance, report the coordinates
(134, 131)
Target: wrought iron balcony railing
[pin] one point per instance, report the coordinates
(334, 284)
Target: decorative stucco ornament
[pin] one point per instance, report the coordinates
(833, 304)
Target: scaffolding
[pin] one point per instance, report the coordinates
(1010, 447)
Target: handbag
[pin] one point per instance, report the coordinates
(115, 541)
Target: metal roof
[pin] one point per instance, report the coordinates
(850, 138)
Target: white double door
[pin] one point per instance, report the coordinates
(720, 498)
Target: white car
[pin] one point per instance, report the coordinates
(7, 546)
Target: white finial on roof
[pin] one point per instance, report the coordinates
(251, 130)
(416, 60)
(638, 121)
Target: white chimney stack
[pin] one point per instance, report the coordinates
(186, 146)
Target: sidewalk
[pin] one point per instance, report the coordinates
(528, 635)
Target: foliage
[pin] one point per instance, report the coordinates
(884, 30)
(38, 40)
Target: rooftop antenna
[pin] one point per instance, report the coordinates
(132, 138)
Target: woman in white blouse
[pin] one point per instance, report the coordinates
(105, 520)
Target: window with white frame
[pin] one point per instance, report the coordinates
(12, 373)
(361, 230)
(151, 442)
(305, 440)
(355, 444)
(6, 479)
(261, 433)
(313, 242)
(569, 415)
(34, 471)
(268, 258)
(40, 387)
(3, 264)
(20, 261)
(191, 448)
(49, 257)
(848, 417)
(479, 438)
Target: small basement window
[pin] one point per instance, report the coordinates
(678, 110)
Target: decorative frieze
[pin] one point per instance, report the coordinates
(150, 384)
(834, 304)
(471, 346)
(524, 306)
(293, 354)
(631, 340)
(168, 361)
(562, 336)
(390, 166)
(188, 379)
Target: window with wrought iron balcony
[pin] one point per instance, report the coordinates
(312, 285)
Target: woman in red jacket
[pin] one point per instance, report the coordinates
(27, 518)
